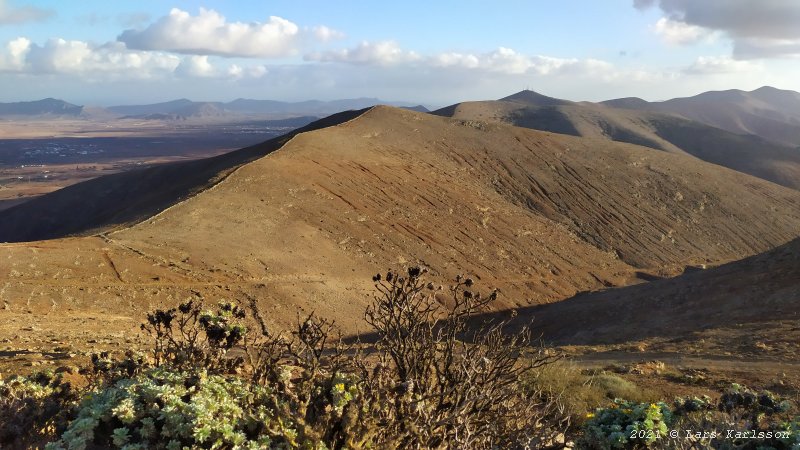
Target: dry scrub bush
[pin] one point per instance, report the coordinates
(429, 382)
(457, 387)
(580, 391)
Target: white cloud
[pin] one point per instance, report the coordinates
(79, 57)
(378, 53)
(209, 33)
(11, 15)
(453, 59)
(195, 66)
(680, 33)
(13, 59)
(113, 61)
(502, 60)
(508, 61)
(238, 72)
(326, 34)
(705, 65)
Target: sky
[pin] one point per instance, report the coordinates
(431, 52)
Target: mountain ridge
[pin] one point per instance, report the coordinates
(664, 131)
(768, 112)
(47, 106)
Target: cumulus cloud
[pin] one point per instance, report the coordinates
(82, 58)
(680, 33)
(380, 53)
(196, 66)
(115, 61)
(705, 65)
(238, 72)
(21, 14)
(508, 61)
(13, 58)
(502, 60)
(759, 29)
(209, 33)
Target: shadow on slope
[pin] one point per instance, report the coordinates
(761, 288)
(128, 197)
(658, 130)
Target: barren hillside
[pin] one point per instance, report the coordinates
(541, 216)
(747, 307)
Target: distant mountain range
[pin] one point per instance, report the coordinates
(755, 132)
(188, 109)
(751, 132)
(773, 114)
(47, 106)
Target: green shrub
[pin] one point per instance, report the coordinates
(162, 408)
(627, 425)
(740, 420)
(34, 407)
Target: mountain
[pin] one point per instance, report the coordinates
(770, 113)
(661, 131)
(130, 196)
(541, 216)
(417, 108)
(156, 108)
(531, 98)
(48, 106)
(183, 108)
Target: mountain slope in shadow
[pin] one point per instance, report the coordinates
(770, 113)
(764, 288)
(627, 120)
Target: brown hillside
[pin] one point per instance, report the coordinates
(127, 197)
(760, 293)
(541, 216)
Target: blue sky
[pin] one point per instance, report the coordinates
(435, 53)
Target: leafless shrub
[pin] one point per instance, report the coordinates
(189, 336)
(456, 387)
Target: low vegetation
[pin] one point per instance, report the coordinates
(740, 419)
(220, 378)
